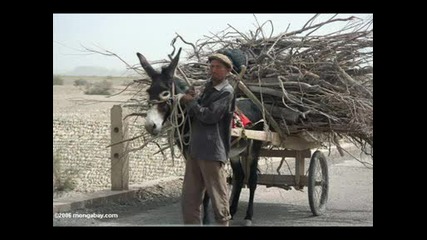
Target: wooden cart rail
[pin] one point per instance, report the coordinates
(300, 141)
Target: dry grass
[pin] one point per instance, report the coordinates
(69, 100)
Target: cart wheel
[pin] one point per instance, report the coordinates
(318, 183)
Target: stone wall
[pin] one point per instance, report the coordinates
(80, 145)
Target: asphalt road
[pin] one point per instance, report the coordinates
(350, 203)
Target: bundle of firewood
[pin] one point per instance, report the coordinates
(306, 82)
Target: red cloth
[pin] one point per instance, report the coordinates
(239, 116)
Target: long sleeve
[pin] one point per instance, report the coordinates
(214, 111)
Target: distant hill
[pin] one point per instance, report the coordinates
(96, 71)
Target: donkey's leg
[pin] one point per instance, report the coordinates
(255, 148)
(206, 215)
(238, 177)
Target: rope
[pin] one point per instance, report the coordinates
(176, 113)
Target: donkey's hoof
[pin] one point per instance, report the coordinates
(248, 222)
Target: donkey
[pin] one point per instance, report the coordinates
(160, 92)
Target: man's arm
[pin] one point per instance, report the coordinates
(212, 113)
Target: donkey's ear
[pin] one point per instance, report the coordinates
(170, 70)
(147, 67)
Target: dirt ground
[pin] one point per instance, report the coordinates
(350, 203)
(69, 100)
(159, 194)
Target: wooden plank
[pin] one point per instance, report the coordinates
(280, 180)
(284, 153)
(119, 160)
(291, 142)
(299, 168)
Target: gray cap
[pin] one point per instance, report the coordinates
(222, 58)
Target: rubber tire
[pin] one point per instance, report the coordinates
(318, 162)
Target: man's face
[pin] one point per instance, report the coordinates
(218, 70)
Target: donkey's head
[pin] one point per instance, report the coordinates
(160, 93)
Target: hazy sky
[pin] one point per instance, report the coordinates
(151, 34)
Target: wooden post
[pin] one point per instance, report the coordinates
(119, 160)
(299, 168)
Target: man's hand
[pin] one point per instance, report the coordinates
(191, 91)
(186, 98)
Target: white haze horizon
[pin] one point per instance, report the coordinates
(151, 35)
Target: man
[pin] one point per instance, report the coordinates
(211, 115)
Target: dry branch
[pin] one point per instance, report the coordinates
(318, 83)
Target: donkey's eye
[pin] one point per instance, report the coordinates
(164, 95)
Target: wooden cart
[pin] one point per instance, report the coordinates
(298, 147)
